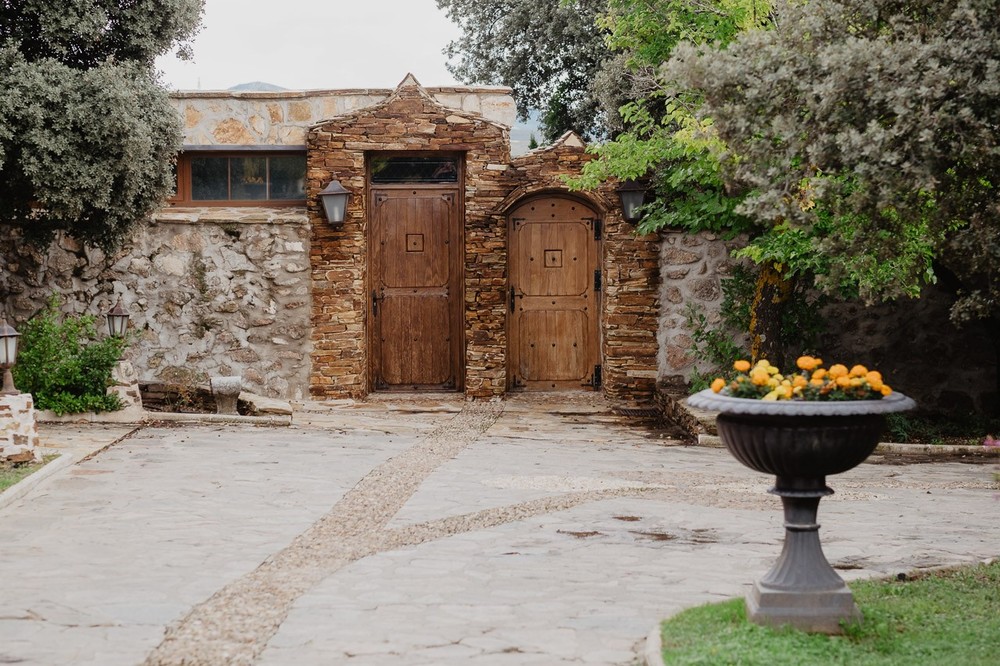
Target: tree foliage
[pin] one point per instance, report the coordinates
(871, 129)
(550, 52)
(87, 134)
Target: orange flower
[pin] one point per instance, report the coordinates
(807, 363)
(874, 376)
(799, 381)
(859, 371)
(741, 365)
(759, 376)
(838, 370)
(885, 390)
(843, 381)
(718, 384)
(819, 374)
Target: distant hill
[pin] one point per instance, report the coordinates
(257, 86)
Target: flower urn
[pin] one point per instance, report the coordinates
(801, 443)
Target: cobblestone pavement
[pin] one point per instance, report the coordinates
(541, 530)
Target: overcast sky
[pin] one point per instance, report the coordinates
(301, 44)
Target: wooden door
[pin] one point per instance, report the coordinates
(553, 295)
(416, 297)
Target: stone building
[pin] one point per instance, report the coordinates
(457, 268)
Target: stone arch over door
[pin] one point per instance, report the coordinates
(555, 277)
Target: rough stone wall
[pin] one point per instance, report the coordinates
(691, 267)
(210, 291)
(409, 119)
(630, 302)
(911, 342)
(284, 118)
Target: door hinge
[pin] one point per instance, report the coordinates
(598, 281)
(512, 295)
(597, 378)
(598, 229)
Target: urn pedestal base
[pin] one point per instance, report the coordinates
(802, 590)
(816, 611)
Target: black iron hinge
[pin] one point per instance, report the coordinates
(598, 229)
(598, 280)
(597, 378)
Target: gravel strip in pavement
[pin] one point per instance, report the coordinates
(234, 625)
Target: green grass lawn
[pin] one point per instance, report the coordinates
(941, 619)
(11, 474)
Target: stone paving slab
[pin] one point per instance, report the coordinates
(426, 532)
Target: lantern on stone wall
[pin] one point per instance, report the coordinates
(335, 199)
(8, 356)
(117, 320)
(633, 195)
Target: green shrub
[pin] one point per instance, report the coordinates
(64, 365)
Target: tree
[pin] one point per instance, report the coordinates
(871, 130)
(549, 52)
(87, 134)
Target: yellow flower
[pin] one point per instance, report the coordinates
(718, 384)
(773, 395)
(759, 376)
(806, 363)
(771, 370)
(859, 371)
(741, 365)
(838, 370)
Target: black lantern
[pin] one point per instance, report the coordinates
(117, 320)
(334, 199)
(8, 356)
(633, 195)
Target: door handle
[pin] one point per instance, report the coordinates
(374, 303)
(512, 298)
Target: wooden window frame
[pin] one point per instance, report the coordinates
(182, 195)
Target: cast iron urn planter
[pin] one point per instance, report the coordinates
(801, 443)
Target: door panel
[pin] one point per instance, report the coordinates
(553, 326)
(416, 299)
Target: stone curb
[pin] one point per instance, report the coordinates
(942, 450)
(138, 417)
(652, 653)
(27, 484)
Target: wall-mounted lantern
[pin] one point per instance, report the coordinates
(8, 356)
(117, 320)
(633, 195)
(335, 199)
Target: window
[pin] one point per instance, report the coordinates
(246, 178)
(414, 169)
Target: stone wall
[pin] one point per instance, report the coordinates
(284, 118)
(912, 342)
(210, 292)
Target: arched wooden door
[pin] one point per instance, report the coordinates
(554, 294)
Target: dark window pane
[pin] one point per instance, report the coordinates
(248, 177)
(209, 178)
(414, 170)
(288, 177)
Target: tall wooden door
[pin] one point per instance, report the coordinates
(553, 295)
(416, 299)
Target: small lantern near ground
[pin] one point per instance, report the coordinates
(335, 199)
(117, 320)
(633, 195)
(8, 356)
